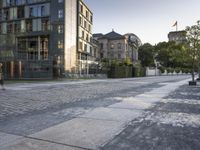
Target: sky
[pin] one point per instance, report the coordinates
(150, 20)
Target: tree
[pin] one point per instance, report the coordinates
(172, 55)
(193, 38)
(146, 55)
(163, 54)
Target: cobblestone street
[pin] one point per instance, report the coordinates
(101, 114)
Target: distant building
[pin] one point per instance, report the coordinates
(177, 36)
(44, 38)
(133, 44)
(114, 46)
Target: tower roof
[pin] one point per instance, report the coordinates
(112, 36)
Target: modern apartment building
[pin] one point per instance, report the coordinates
(114, 46)
(44, 38)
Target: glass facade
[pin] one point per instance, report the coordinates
(70, 52)
(45, 30)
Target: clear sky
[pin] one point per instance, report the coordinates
(151, 20)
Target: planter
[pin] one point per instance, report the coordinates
(192, 83)
(198, 79)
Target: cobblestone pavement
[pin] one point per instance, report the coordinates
(21, 99)
(172, 124)
(33, 112)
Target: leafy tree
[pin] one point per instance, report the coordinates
(146, 55)
(170, 54)
(193, 38)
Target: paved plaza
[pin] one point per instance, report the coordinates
(151, 113)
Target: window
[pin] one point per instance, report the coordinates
(5, 14)
(83, 34)
(86, 13)
(60, 29)
(29, 26)
(9, 28)
(91, 19)
(20, 2)
(119, 56)
(91, 52)
(17, 26)
(112, 46)
(60, 13)
(101, 46)
(85, 47)
(20, 12)
(87, 37)
(81, 45)
(80, 20)
(119, 45)
(81, 8)
(23, 26)
(44, 48)
(85, 24)
(33, 11)
(60, 44)
(89, 28)
(45, 24)
(42, 11)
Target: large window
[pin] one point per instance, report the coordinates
(17, 26)
(20, 2)
(45, 24)
(60, 29)
(29, 25)
(80, 45)
(5, 15)
(60, 13)
(60, 44)
(33, 11)
(4, 28)
(33, 48)
(10, 27)
(20, 12)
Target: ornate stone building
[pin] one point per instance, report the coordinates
(114, 46)
(177, 36)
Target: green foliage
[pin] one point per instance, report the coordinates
(193, 38)
(138, 71)
(171, 54)
(177, 70)
(128, 62)
(120, 71)
(170, 70)
(162, 69)
(146, 55)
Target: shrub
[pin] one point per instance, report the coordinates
(177, 70)
(162, 69)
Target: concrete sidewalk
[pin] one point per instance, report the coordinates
(93, 129)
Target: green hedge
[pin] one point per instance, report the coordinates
(139, 71)
(120, 72)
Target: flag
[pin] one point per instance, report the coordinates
(175, 24)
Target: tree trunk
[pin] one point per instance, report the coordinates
(199, 71)
(193, 75)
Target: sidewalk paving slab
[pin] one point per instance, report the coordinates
(33, 144)
(113, 114)
(81, 132)
(5, 138)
